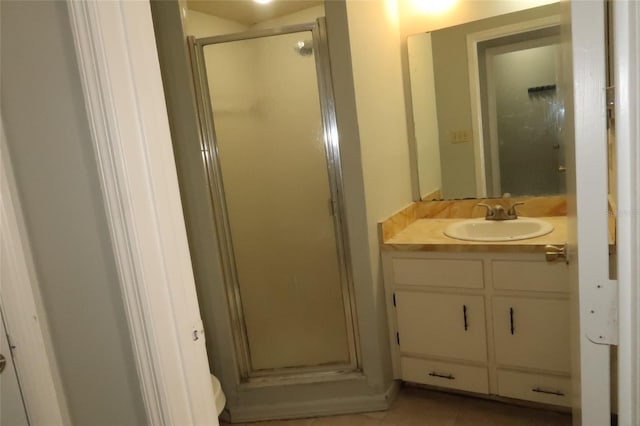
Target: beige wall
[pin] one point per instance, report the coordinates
(57, 179)
(413, 20)
(377, 76)
(376, 96)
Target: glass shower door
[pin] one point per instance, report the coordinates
(275, 173)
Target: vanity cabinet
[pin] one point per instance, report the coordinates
(490, 323)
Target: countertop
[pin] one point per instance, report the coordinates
(428, 235)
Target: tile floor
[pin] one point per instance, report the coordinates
(421, 407)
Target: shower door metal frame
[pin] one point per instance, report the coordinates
(209, 149)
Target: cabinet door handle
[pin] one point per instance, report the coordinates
(442, 376)
(549, 392)
(464, 314)
(511, 320)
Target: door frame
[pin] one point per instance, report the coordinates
(120, 74)
(21, 305)
(587, 204)
(626, 53)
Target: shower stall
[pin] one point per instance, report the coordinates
(270, 151)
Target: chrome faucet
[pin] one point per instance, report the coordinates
(498, 212)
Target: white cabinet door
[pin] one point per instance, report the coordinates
(532, 333)
(443, 325)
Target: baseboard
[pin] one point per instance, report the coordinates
(316, 408)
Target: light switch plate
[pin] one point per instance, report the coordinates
(460, 136)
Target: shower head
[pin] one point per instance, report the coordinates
(304, 48)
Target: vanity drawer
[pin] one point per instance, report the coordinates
(530, 275)
(444, 374)
(438, 272)
(554, 390)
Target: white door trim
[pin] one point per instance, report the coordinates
(474, 85)
(22, 307)
(626, 17)
(588, 216)
(118, 62)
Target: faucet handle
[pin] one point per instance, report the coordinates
(490, 209)
(512, 210)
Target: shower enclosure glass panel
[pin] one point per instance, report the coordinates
(284, 247)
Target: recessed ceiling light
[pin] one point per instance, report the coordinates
(263, 1)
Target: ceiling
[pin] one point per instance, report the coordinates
(249, 12)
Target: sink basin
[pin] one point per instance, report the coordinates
(498, 230)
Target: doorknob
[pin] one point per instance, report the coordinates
(3, 363)
(562, 169)
(553, 253)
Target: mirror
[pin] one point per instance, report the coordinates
(487, 106)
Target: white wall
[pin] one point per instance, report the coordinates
(56, 176)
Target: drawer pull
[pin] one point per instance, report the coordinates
(511, 320)
(464, 314)
(442, 376)
(548, 392)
